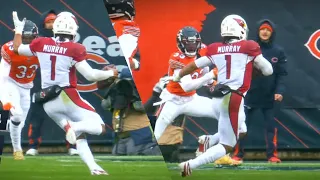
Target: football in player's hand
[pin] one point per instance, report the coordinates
(107, 82)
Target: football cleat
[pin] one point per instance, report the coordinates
(18, 155)
(98, 172)
(203, 145)
(185, 169)
(227, 160)
(72, 152)
(32, 152)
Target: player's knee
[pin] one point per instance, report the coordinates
(81, 136)
(16, 119)
(17, 115)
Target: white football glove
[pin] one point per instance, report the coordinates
(175, 78)
(18, 25)
(136, 63)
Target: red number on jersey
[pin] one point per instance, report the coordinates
(228, 66)
(53, 67)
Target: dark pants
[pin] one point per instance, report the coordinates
(170, 153)
(36, 117)
(270, 131)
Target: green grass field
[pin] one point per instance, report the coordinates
(254, 171)
(143, 168)
(69, 168)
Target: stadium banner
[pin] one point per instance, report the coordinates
(297, 32)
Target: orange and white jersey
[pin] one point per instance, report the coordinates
(203, 50)
(128, 33)
(19, 69)
(177, 61)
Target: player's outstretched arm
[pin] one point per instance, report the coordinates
(264, 65)
(18, 28)
(198, 63)
(193, 84)
(94, 74)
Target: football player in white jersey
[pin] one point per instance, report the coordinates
(235, 59)
(59, 58)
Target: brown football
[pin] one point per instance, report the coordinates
(107, 82)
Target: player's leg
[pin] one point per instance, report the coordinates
(251, 114)
(200, 107)
(60, 118)
(207, 141)
(271, 135)
(72, 149)
(168, 112)
(72, 106)
(83, 115)
(231, 113)
(84, 120)
(12, 95)
(16, 133)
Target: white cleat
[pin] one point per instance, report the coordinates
(98, 172)
(71, 136)
(203, 145)
(72, 152)
(185, 169)
(32, 152)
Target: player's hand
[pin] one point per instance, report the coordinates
(278, 97)
(134, 64)
(175, 78)
(115, 72)
(18, 25)
(163, 81)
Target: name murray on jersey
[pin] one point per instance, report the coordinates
(54, 49)
(228, 49)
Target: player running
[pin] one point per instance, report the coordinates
(17, 75)
(180, 97)
(234, 58)
(59, 59)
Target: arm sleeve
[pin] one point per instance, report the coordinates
(4, 68)
(281, 72)
(24, 50)
(189, 84)
(129, 45)
(92, 74)
(264, 65)
(203, 62)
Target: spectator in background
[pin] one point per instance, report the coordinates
(133, 132)
(37, 115)
(266, 91)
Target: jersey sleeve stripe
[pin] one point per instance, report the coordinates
(175, 64)
(5, 55)
(131, 30)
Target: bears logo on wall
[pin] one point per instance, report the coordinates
(312, 44)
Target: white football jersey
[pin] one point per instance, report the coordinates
(57, 60)
(234, 62)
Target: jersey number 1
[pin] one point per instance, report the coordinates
(228, 66)
(53, 67)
